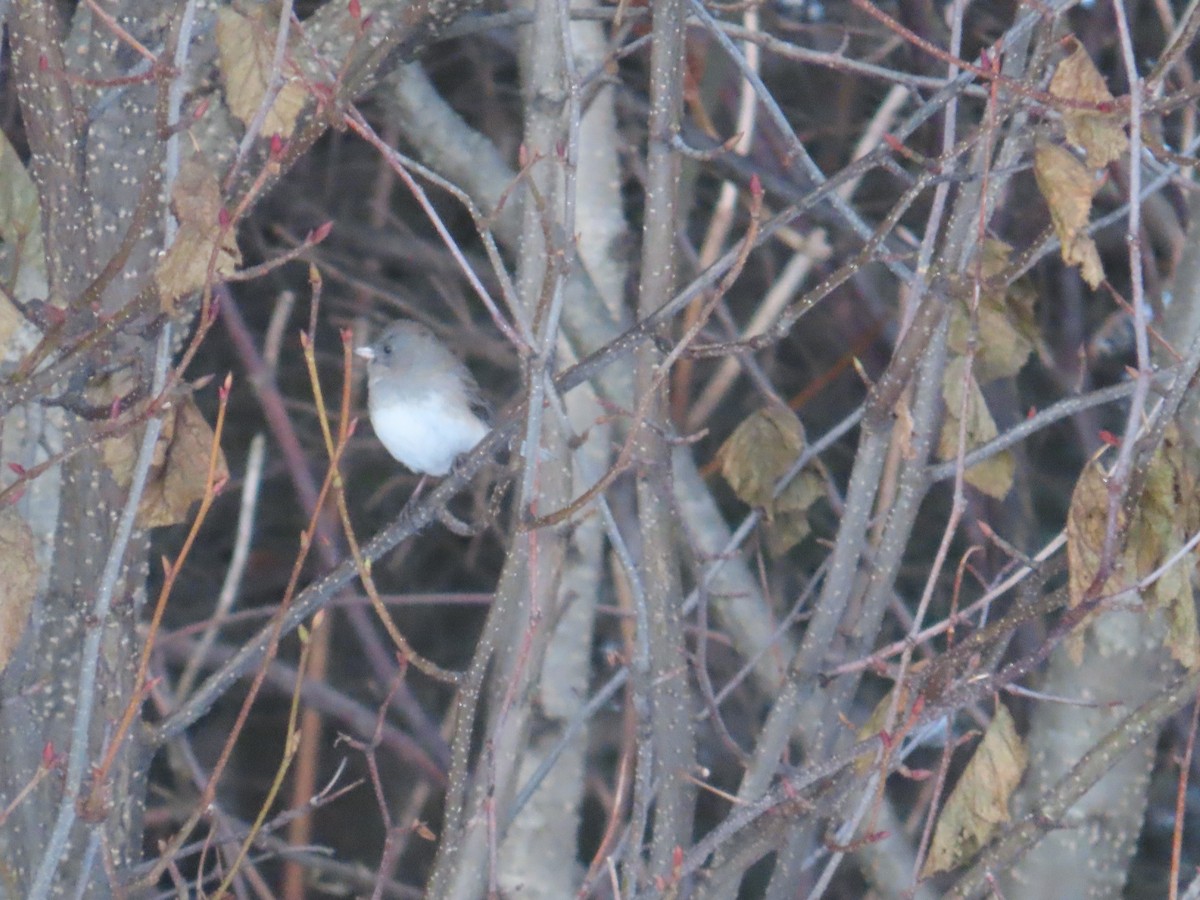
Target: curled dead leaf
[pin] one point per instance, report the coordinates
(1098, 132)
(978, 805)
(993, 476)
(789, 523)
(759, 451)
(180, 470)
(18, 587)
(1068, 187)
(1166, 515)
(1007, 321)
(201, 240)
(246, 54)
(878, 720)
(22, 257)
(1086, 522)
(753, 459)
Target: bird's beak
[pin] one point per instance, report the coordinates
(365, 352)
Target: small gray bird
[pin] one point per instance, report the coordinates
(422, 399)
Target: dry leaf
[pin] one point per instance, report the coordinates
(789, 521)
(196, 199)
(874, 725)
(246, 52)
(196, 192)
(19, 585)
(22, 258)
(1167, 514)
(1007, 324)
(1166, 518)
(879, 715)
(1068, 187)
(1086, 522)
(119, 455)
(1172, 593)
(184, 268)
(755, 457)
(978, 805)
(759, 451)
(180, 470)
(1101, 135)
(993, 476)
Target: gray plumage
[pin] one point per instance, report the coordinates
(421, 397)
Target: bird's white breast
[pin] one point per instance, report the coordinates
(425, 433)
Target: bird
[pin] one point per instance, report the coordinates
(424, 403)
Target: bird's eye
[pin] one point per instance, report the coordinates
(387, 349)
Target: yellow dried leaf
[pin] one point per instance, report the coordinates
(184, 269)
(180, 470)
(879, 715)
(759, 451)
(196, 199)
(1167, 514)
(246, 52)
(196, 193)
(1183, 640)
(1169, 505)
(978, 805)
(1099, 134)
(1068, 188)
(19, 584)
(1086, 522)
(119, 454)
(1007, 324)
(789, 513)
(993, 476)
(1173, 595)
(22, 258)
